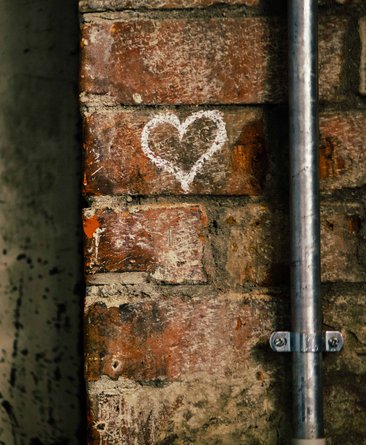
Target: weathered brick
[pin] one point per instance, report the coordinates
(258, 247)
(342, 150)
(166, 241)
(187, 364)
(181, 61)
(346, 424)
(257, 244)
(343, 311)
(115, 162)
(345, 372)
(362, 27)
(342, 239)
(206, 412)
(205, 406)
(174, 338)
(115, 5)
(220, 412)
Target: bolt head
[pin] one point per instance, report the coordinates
(280, 342)
(333, 342)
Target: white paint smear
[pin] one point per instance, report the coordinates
(95, 246)
(185, 178)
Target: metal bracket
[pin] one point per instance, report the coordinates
(285, 341)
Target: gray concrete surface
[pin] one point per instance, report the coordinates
(41, 293)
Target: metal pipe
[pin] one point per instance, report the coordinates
(305, 218)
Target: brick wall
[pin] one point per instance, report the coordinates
(186, 230)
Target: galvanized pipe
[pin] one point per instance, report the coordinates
(305, 219)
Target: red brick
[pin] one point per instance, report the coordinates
(174, 338)
(342, 150)
(100, 5)
(181, 61)
(166, 241)
(258, 245)
(115, 162)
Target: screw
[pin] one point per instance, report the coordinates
(333, 342)
(280, 342)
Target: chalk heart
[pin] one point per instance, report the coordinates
(185, 178)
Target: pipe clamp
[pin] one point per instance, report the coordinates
(285, 341)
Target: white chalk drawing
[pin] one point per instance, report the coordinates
(185, 178)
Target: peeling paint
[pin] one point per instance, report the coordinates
(90, 226)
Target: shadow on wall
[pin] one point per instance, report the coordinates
(40, 265)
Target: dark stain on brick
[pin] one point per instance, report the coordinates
(97, 315)
(170, 440)
(127, 312)
(329, 225)
(332, 163)
(354, 224)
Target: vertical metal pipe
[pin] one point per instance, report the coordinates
(305, 224)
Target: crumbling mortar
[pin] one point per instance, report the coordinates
(214, 11)
(168, 14)
(93, 103)
(263, 8)
(179, 292)
(346, 196)
(116, 108)
(125, 201)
